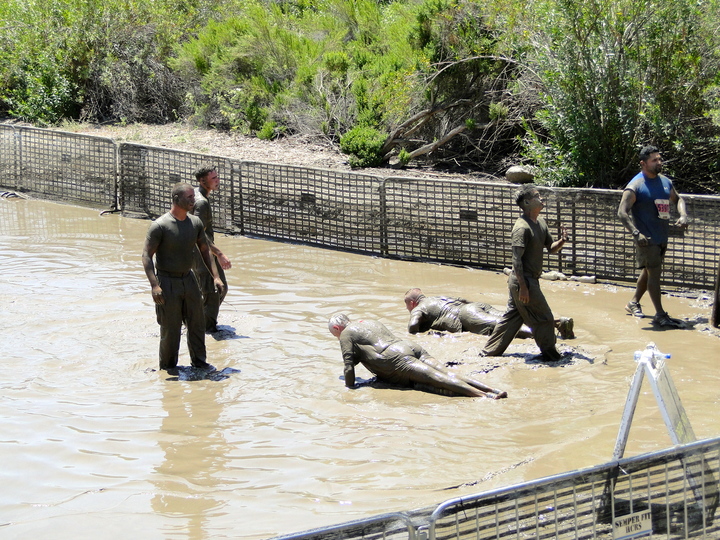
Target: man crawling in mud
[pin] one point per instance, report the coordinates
(398, 362)
(447, 314)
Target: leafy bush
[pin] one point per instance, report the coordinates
(268, 132)
(616, 75)
(364, 145)
(403, 156)
(93, 59)
(572, 86)
(345, 63)
(41, 93)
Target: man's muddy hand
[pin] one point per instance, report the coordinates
(157, 295)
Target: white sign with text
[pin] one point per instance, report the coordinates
(632, 525)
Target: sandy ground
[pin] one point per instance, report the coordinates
(300, 151)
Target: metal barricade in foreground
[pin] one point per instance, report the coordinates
(671, 494)
(654, 494)
(394, 526)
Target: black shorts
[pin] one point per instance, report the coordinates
(650, 256)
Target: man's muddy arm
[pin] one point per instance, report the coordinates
(202, 210)
(148, 253)
(349, 375)
(225, 263)
(349, 362)
(626, 203)
(560, 242)
(680, 203)
(518, 270)
(204, 246)
(415, 320)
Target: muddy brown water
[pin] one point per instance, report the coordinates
(95, 443)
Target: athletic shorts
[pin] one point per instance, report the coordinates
(650, 256)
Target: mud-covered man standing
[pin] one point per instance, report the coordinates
(171, 239)
(526, 303)
(208, 181)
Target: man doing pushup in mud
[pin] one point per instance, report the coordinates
(445, 314)
(397, 362)
(171, 239)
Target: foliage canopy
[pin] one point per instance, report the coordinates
(573, 87)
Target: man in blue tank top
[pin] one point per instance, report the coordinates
(645, 212)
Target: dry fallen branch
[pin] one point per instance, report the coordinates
(413, 124)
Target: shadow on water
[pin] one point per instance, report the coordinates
(225, 332)
(190, 373)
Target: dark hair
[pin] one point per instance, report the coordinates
(524, 192)
(179, 189)
(202, 172)
(647, 151)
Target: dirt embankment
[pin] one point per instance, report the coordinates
(298, 151)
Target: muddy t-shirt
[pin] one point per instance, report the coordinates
(203, 210)
(175, 241)
(534, 237)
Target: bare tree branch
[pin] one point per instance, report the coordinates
(410, 126)
(426, 149)
(448, 65)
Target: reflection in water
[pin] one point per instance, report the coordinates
(95, 438)
(195, 454)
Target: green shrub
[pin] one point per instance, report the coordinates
(268, 132)
(616, 75)
(41, 94)
(364, 145)
(96, 59)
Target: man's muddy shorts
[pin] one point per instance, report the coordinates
(650, 256)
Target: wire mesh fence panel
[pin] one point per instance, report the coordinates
(8, 157)
(693, 253)
(67, 167)
(597, 240)
(319, 207)
(445, 221)
(147, 175)
(449, 221)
